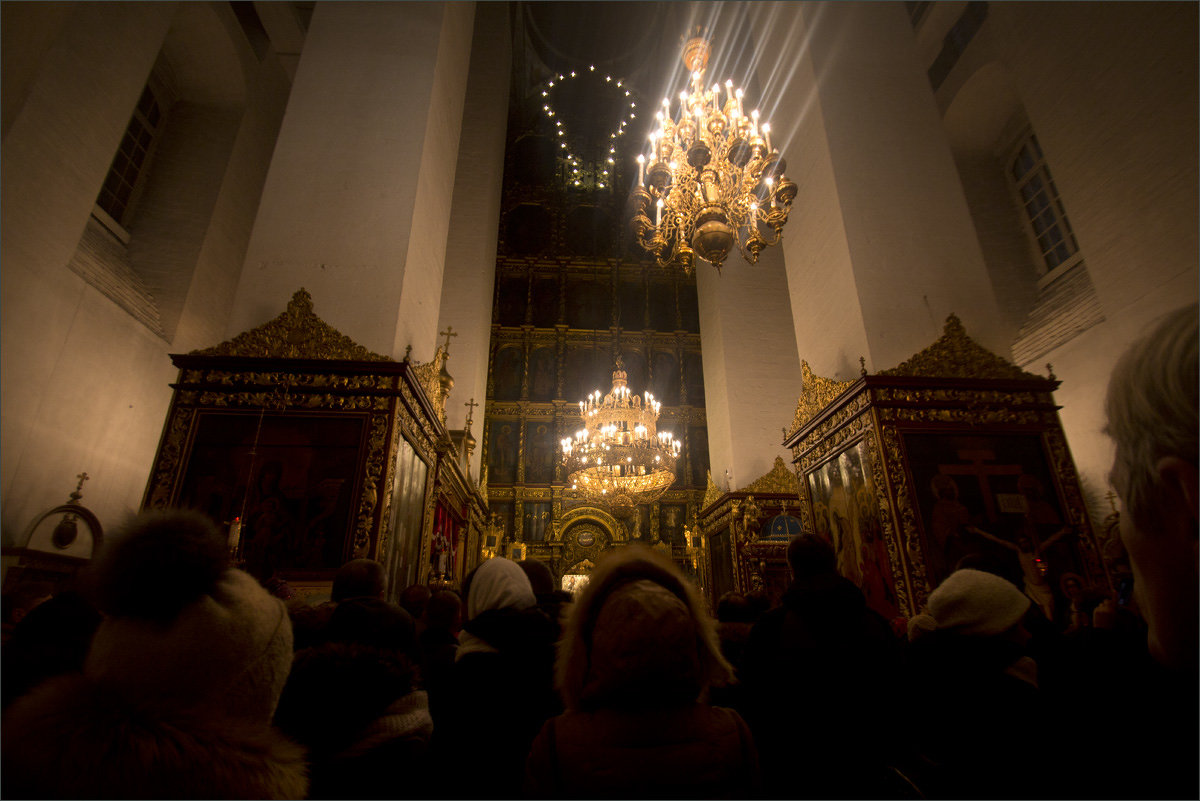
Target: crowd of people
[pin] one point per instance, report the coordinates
(170, 673)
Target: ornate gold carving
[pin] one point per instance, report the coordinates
(906, 511)
(483, 483)
(298, 333)
(711, 493)
(561, 523)
(964, 416)
(779, 479)
(169, 465)
(389, 485)
(887, 526)
(956, 355)
(423, 566)
(372, 475)
(1076, 506)
(832, 434)
(816, 393)
(429, 377)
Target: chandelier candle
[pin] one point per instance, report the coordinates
(619, 459)
(713, 177)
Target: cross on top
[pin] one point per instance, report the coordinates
(449, 332)
(471, 404)
(78, 493)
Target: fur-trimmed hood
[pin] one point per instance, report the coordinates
(73, 738)
(638, 634)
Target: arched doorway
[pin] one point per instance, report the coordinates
(585, 533)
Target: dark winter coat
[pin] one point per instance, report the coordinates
(977, 717)
(820, 680)
(388, 757)
(499, 690)
(637, 657)
(120, 750)
(353, 706)
(438, 649)
(696, 751)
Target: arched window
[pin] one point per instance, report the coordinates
(161, 201)
(1048, 224)
(127, 173)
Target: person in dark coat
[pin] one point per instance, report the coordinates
(820, 682)
(500, 690)
(177, 691)
(552, 600)
(359, 578)
(637, 656)
(735, 619)
(1152, 412)
(353, 702)
(439, 644)
(52, 639)
(975, 708)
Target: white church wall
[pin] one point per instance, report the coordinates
(420, 300)
(1110, 89)
(85, 384)
(469, 276)
(984, 120)
(909, 240)
(206, 309)
(829, 331)
(78, 372)
(27, 32)
(354, 173)
(751, 368)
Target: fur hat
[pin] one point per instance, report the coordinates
(976, 603)
(638, 634)
(183, 629)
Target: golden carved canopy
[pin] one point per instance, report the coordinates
(956, 355)
(297, 333)
(816, 392)
(779, 479)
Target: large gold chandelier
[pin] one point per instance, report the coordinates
(714, 179)
(619, 459)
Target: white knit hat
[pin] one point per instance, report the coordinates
(183, 630)
(976, 603)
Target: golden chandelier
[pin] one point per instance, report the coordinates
(619, 459)
(714, 179)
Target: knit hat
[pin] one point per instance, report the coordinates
(639, 634)
(184, 630)
(644, 645)
(976, 603)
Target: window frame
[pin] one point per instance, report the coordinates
(1052, 211)
(162, 100)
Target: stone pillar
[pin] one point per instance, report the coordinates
(880, 247)
(356, 206)
(470, 270)
(751, 368)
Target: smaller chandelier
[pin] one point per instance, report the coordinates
(714, 179)
(619, 459)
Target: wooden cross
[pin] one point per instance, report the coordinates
(975, 466)
(471, 404)
(449, 332)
